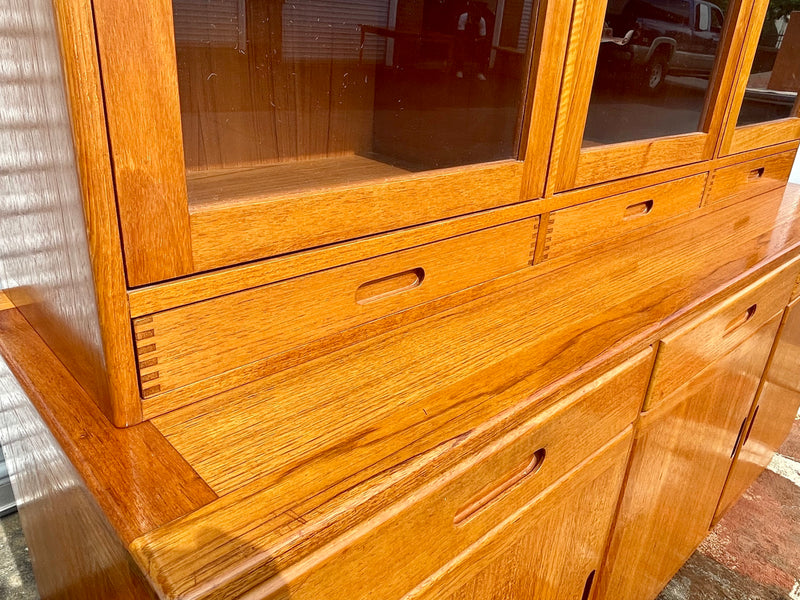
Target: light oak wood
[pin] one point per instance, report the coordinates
(750, 178)
(137, 53)
(5, 303)
(681, 455)
(549, 550)
(689, 350)
(772, 415)
(581, 226)
(534, 423)
(193, 342)
(229, 232)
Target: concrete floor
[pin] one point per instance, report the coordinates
(752, 554)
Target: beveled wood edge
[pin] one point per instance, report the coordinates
(90, 137)
(5, 303)
(137, 477)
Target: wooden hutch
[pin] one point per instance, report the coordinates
(393, 299)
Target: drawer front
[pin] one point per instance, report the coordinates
(444, 518)
(750, 178)
(687, 351)
(576, 227)
(193, 342)
(552, 548)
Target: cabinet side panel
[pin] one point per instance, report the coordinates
(44, 260)
(74, 550)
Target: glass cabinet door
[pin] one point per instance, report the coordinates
(290, 125)
(764, 107)
(647, 81)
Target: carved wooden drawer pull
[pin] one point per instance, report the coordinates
(378, 289)
(490, 493)
(639, 209)
(740, 320)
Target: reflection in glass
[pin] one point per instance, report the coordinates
(654, 67)
(775, 76)
(363, 88)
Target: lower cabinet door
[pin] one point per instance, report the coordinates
(774, 413)
(680, 459)
(550, 549)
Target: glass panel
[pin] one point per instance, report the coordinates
(654, 67)
(315, 93)
(775, 75)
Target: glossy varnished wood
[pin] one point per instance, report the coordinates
(687, 351)
(134, 474)
(74, 550)
(120, 399)
(750, 178)
(228, 232)
(584, 225)
(773, 413)
(681, 455)
(548, 550)
(193, 342)
(137, 53)
(327, 506)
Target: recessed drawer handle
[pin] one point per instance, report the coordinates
(740, 320)
(378, 289)
(490, 493)
(639, 209)
(756, 174)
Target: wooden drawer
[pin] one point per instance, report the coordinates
(580, 226)
(750, 178)
(387, 557)
(690, 349)
(190, 343)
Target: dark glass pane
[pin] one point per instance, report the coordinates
(365, 89)
(653, 71)
(775, 75)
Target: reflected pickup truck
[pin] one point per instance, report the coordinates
(660, 37)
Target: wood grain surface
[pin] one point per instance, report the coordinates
(134, 474)
(772, 415)
(581, 226)
(190, 343)
(136, 45)
(680, 459)
(687, 351)
(332, 511)
(120, 402)
(750, 178)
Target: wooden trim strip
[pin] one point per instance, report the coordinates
(137, 477)
(140, 81)
(82, 76)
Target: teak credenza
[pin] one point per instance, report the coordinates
(393, 299)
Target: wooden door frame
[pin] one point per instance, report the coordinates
(164, 238)
(573, 166)
(735, 140)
